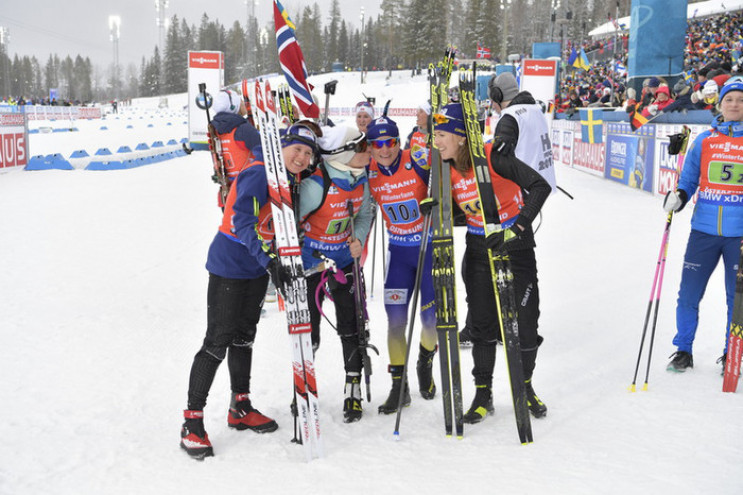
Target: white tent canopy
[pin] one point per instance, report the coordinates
(699, 9)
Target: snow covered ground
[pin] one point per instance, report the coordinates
(103, 305)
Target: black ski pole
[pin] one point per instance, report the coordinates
(413, 311)
(329, 90)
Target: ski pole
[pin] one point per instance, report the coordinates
(374, 253)
(413, 311)
(658, 280)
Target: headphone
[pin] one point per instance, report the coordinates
(495, 93)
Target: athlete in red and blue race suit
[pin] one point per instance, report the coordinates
(326, 225)
(714, 165)
(238, 259)
(399, 184)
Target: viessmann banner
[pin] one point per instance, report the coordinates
(208, 68)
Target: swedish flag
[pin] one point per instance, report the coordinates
(591, 125)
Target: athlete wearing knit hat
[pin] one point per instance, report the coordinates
(451, 119)
(228, 101)
(734, 84)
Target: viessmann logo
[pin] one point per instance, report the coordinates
(201, 59)
(537, 69)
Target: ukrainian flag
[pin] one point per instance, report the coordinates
(581, 62)
(591, 125)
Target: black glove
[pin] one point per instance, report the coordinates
(280, 275)
(427, 205)
(503, 146)
(498, 240)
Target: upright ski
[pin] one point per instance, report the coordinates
(735, 340)
(287, 243)
(443, 261)
(500, 264)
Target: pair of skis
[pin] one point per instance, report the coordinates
(500, 264)
(290, 256)
(443, 260)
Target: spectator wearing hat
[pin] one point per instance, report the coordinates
(717, 222)
(399, 185)
(682, 102)
(707, 98)
(662, 100)
(364, 112)
(339, 180)
(238, 261)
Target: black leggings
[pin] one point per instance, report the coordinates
(233, 312)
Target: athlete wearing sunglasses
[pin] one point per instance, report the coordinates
(398, 185)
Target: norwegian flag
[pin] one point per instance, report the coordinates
(482, 52)
(292, 61)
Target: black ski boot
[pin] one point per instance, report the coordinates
(722, 360)
(424, 367)
(537, 408)
(352, 404)
(194, 439)
(680, 362)
(390, 405)
(482, 405)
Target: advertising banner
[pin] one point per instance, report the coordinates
(208, 68)
(13, 139)
(539, 77)
(629, 156)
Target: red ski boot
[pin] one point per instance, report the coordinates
(194, 439)
(243, 416)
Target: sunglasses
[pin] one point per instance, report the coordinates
(378, 144)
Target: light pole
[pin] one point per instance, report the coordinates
(161, 22)
(363, 45)
(114, 26)
(4, 42)
(504, 6)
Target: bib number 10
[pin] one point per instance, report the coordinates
(402, 212)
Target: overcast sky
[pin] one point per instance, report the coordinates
(43, 27)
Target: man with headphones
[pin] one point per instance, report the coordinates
(522, 128)
(522, 131)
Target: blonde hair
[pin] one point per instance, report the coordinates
(463, 161)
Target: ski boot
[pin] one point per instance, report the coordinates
(536, 406)
(722, 360)
(243, 416)
(352, 403)
(680, 362)
(482, 405)
(390, 405)
(424, 367)
(194, 439)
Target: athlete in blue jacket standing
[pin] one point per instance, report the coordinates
(399, 184)
(714, 164)
(238, 260)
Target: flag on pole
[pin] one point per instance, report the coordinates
(573, 57)
(482, 52)
(292, 61)
(581, 62)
